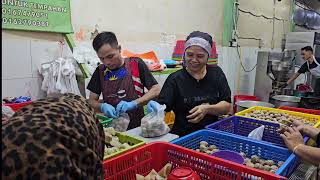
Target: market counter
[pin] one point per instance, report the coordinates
(165, 138)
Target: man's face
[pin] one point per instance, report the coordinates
(110, 56)
(306, 54)
(195, 58)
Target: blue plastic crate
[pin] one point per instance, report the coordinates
(227, 141)
(243, 126)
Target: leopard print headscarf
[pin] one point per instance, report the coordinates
(53, 138)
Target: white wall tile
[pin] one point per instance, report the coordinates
(23, 87)
(16, 59)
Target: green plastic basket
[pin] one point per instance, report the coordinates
(123, 138)
(104, 120)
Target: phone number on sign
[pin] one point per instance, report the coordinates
(24, 22)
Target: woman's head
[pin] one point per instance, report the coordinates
(197, 50)
(53, 138)
(108, 50)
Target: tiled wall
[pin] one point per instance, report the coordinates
(21, 59)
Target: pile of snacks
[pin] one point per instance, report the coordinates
(278, 117)
(162, 174)
(112, 142)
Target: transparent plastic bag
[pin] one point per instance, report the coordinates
(121, 123)
(257, 133)
(153, 124)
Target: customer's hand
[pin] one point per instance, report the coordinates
(197, 113)
(125, 106)
(153, 106)
(108, 110)
(292, 138)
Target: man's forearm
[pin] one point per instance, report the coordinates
(151, 94)
(294, 77)
(309, 154)
(221, 108)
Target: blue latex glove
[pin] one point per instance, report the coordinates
(125, 106)
(109, 110)
(153, 106)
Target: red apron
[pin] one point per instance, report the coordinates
(125, 89)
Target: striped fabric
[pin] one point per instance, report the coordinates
(136, 78)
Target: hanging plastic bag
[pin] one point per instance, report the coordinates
(257, 133)
(7, 113)
(121, 123)
(153, 124)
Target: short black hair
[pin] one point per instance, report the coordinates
(202, 35)
(104, 38)
(307, 48)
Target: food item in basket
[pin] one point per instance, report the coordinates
(204, 143)
(274, 167)
(121, 123)
(165, 171)
(212, 147)
(243, 154)
(269, 162)
(250, 164)
(255, 159)
(205, 148)
(258, 166)
(259, 163)
(278, 117)
(267, 167)
(153, 124)
(153, 175)
(110, 130)
(280, 163)
(112, 142)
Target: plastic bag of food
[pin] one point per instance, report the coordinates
(257, 133)
(121, 123)
(153, 124)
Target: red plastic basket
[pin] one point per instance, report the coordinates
(237, 98)
(308, 111)
(158, 154)
(16, 106)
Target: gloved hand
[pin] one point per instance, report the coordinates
(153, 106)
(125, 106)
(108, 110)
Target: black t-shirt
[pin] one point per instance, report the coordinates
(181, 92)
(304, 67)
(145, 76)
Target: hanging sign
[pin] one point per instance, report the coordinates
(37, 15)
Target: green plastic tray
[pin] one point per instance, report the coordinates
(104, 120)
(123, 138)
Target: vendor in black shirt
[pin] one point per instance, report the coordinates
(311, 65)
(121, 81)
(197, 94)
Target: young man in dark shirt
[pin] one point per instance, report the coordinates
(121, 81)
(311, 65)
(197, 94)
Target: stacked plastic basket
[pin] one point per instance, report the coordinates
(228, 134)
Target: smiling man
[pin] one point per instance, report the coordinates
(121, 81)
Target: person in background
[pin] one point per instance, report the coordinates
(293, 138)
(53, 138)
(311, 65)
(121, 81)
(197, 94)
